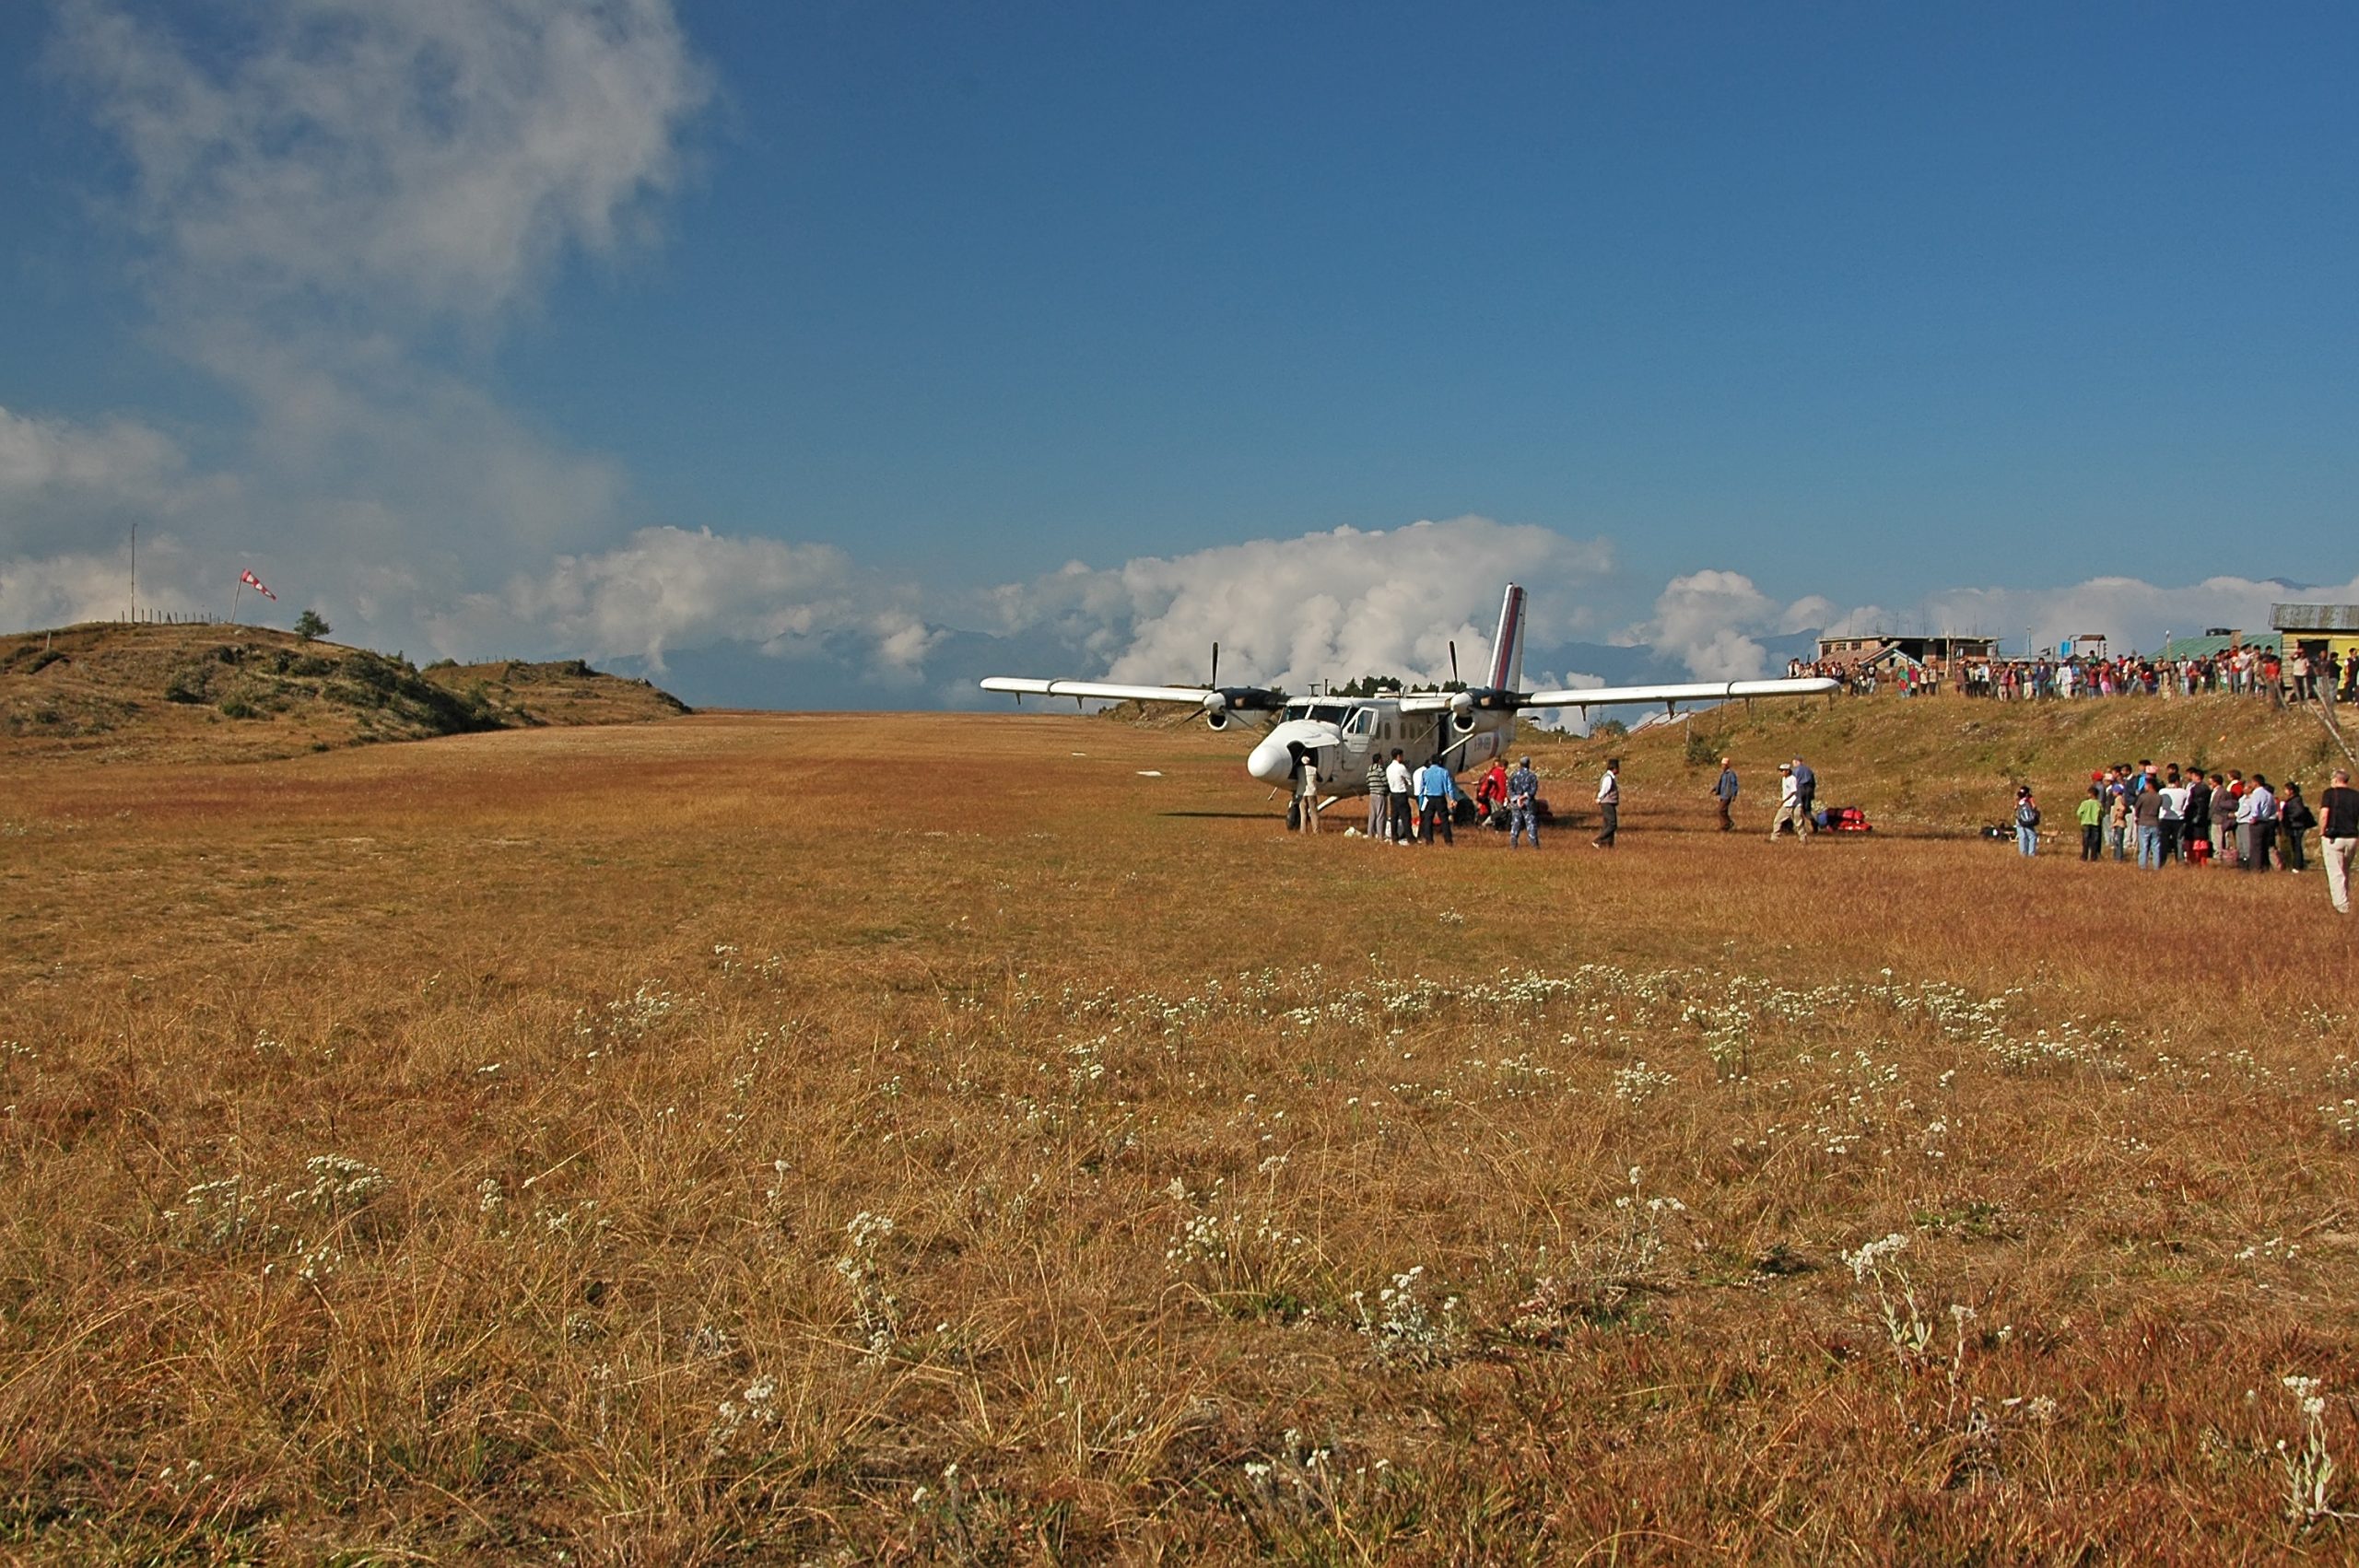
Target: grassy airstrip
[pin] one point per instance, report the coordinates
(826, 1139)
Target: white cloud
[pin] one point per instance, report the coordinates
(668, 588)
(1710, 619)
(94, 584)
(430, 155)
(1329, 605)
(325, 189)
(67, 487)
(2131, 613)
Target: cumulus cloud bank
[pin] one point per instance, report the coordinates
(1320, 606)
(669, 588)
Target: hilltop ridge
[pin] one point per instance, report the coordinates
(212, 692)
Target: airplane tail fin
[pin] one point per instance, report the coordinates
(1506, 648)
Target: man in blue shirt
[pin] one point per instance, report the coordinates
(1437, 795)
(1725, 793)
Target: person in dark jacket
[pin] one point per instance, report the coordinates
(2295, 820)
(1725, 793)
(2198, 819)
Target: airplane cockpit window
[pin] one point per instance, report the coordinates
(1329, 712)
(1361, 718)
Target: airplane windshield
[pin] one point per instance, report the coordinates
(1325, 712)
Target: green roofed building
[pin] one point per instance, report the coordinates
(2219, 641)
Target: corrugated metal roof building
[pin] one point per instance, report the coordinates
(2323, 618)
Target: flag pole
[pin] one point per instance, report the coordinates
(233, 601)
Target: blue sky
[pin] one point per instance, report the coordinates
(794, 351)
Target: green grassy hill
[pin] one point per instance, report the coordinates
(199, 692)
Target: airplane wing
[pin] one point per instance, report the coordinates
(1695, 691)
(1103, 690)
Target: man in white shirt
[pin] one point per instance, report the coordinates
(1609, 805)
(1396, 791)
(1789, 806)
(2174, 815)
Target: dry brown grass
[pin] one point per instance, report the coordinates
(203, 693)
(636, 1024)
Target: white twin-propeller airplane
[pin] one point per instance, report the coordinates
(1336, 736)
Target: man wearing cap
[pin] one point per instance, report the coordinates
(1725, 793)
(1789, 805)
(1523, 796)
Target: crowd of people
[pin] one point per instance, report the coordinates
(1420, 806)
(2243, 670)
(2157, 814)
(2220, 819)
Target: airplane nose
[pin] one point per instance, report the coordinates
(1271, 762)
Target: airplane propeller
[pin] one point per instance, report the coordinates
(1221, 701)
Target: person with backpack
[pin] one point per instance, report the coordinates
(1491, 794)
(2026, 821)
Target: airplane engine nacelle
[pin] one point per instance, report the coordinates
(1462, 722)
(1216, 718)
